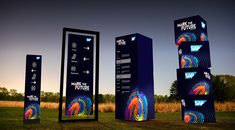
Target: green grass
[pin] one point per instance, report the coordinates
(12, 118)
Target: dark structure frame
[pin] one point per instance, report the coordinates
(96, 74)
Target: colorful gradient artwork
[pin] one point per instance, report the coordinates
(137, 107)
(193, 117)
(189, 61)
(32, 111)
(201, 88)
(80, 106)
(203, 37)
(186, 37)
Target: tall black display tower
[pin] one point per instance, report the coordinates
(134, 78)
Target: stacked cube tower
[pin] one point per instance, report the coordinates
(193, 75)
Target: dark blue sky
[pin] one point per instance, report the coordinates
(30, 27)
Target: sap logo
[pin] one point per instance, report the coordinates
(203, 24)
(88, 39)
(38, 57)
(199, 102)
(133, 38)
(121, 42)
(189, 75)
(195, 48)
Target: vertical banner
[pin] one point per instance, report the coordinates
(80, 49)
(32, 89)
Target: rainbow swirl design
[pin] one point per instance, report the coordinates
(203, 37)
(137, 106)
(32, 111)
(185, 37)
(188, 61)
(79, 106)
(201, 88)
(193, 117)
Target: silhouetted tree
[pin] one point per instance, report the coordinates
(223, 87)
(109, 98)
(4, 94)
(101, 98)
(174, 94)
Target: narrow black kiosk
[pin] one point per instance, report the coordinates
(32, 89)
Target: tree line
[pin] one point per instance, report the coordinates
(223, 90)
(13, 95)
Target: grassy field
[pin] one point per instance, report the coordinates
(12, 118)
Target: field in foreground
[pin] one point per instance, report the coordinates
(12, 118)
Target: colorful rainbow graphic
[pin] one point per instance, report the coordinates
(137, 106)
(185, 37)
(193, 117)
(32, 111)
(79, 106)
(201, 88)
(203, 37)
(188, 61)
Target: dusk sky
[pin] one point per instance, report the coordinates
(35, 27)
